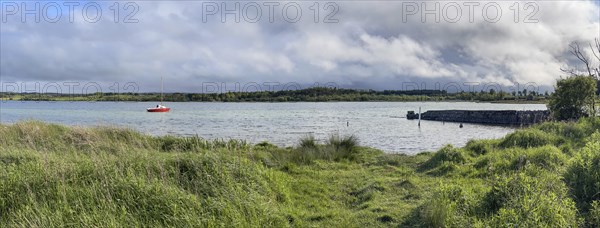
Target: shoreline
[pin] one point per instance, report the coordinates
(286, 145)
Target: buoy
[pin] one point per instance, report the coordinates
(461, 126)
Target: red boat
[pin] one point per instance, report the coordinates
(159, 108)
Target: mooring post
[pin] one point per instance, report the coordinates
(419, 117)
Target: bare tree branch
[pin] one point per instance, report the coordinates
(597, 48)
(577, 52)
(597, 55)
(572, 72)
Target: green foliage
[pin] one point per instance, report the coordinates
(528, 138)
(481, 147)
(526, 200)
(308, 142)
(583, 175)
(344, 144)
(131, 184)
(451, 206)
(515, 159)
(266, 145)
(547, 157)
(444, 161)
(195, 144)
(570, 130)
(593, 217)
(51, 175)
(337, 148)
(573, 98)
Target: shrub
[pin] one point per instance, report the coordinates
(573, 98)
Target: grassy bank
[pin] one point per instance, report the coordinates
(51, 175)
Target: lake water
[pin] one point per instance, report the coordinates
(377, 124)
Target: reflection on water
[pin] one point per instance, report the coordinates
(377, 124)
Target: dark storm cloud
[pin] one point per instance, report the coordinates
(372, 45)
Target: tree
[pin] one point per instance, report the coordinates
(587, 60)
(573, 98)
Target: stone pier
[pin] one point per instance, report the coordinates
(495, 117)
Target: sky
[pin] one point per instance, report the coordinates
(213, 46)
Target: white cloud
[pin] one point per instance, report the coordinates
(370, 46)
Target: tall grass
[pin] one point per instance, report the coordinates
(528, 138)
(335, 149)
(532, 181)
(583, 175)
(54, 176)
(308, 142)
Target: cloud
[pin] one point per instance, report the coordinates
(374, 44)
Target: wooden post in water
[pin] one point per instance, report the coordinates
(419, 117)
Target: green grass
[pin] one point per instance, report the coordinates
(55, 176)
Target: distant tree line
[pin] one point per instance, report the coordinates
(315, 94)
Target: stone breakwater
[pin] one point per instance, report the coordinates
(495, 117)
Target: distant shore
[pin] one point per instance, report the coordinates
(305, 95)
(427, 101)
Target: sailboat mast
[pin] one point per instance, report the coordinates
(161, 90)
